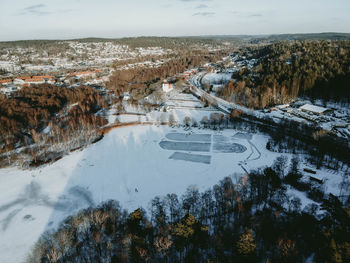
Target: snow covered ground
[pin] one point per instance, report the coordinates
(176, 107)
(129, 165)
(132, 165)
(338, 122)
(216, 78)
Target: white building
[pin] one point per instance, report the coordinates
(18, 81)
(8, 90)
(313, 109)
(126, 96)
(167, 87)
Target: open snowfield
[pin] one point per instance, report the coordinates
(129, 165)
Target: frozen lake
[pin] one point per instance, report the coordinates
(128, 165)
(185, 146)
(189, 157)
(188, 137)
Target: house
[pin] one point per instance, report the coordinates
(313, 109)
(309, 171)
(167, 87)
(43, 79)
(188, 73)
(18, 81)
(126, 96)
(84, 74)
(317, 180)
(34, 81)
(5, 81)
(59, 78)
(283, 107)
(27, 80)
(105, 79)
(8, 90)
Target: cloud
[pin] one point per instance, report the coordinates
(35, 10)
(204, 14)
(201, 6)
(34, 7)
(38, 10)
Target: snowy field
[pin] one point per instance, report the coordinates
(128, 165)
(131, 165)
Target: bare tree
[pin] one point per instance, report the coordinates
(204, 121)
(171, 119)
(187, 121)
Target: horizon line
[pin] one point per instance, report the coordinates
(177, 36)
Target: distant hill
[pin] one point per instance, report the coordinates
(132, 42)
(309, 36)
(184, 40)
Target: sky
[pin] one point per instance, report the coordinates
(67, 19)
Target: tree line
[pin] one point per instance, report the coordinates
(286, 70)
(251, 220)
(321, 147)
(65, 111)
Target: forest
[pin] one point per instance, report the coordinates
(138, 81)
(286, 70)
(249, 219)
(301, 37)
(178, 43)
(184, 42)
(66, 111)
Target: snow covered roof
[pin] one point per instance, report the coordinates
(2, 81)
(313, 108)
(283, 106)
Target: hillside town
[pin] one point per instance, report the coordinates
(69, 55)
(79, 63)
(70, 63)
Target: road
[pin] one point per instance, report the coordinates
(224, 106)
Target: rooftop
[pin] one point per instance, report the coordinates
(313, 108)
